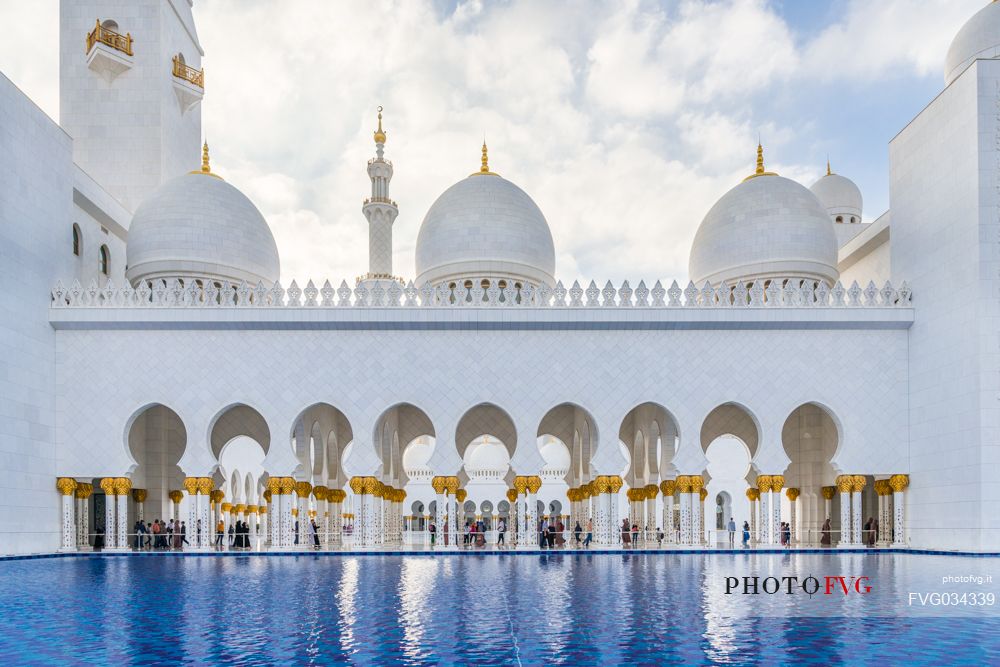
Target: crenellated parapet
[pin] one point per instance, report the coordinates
(484, 293)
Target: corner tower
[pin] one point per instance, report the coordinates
(380, 211)
(130, 83)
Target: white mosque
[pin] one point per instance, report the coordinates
(814, 365)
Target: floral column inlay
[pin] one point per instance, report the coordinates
(898, 483)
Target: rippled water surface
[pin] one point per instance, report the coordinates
(485, 609)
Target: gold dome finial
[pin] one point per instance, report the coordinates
(484, 169)
(379, 133)
(760, 164)
(205, 168)
(828, 171)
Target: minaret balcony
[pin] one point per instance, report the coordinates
(109, 53)
(379, 200)
(189, 84)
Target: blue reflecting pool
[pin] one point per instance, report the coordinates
(490, 609)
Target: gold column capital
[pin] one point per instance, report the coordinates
(845, 483)
(753, 494)
(139, 495)
(792, 493)
(66, 486)
(191, 485)
(858, 483)
(668, 487)
(176, 495)
(899, 482)
(829, 492)
(512, 495)
(83, 490)
(122, 486)
(303, 489)
(615, 483)
(777, 481)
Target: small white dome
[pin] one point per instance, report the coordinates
(199, 226)
(484, 226)
(978, 38)
(765, 227)
(839, 196)
(486, 453)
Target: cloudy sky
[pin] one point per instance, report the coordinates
(624, 120)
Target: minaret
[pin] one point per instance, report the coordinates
(380, 211)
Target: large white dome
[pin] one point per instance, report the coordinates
(485, 227)
(840, 196)
(199, 226)
(978, 38)
(765, 227)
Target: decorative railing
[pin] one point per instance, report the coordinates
(379, 200)
(485, 293)
(103, 35)
(189, 74)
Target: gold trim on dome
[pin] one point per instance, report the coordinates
(484, 168)
(760, 165)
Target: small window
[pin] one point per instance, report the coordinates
(110, 24)
(180, 59)
(853, 219)
(76, 239)
(105, 260)
(840, 218)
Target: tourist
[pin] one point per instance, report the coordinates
(746, 535)
(874, 535)
(576, 533)
(551, 535)
(157, 537)
(626, 533)
(787, 534)
(232, 534)
(659, 537)
(296, 531)
(635, 535)
(98, 538)
(732, 533)
(501, 530)
(184, 539)
(590, 534)
(865, 530)
(447, 539)
(825, 540)
(170, 535)
(560, 528)
(197, 532)
(314, 531)
(432, 529)
(220, 532)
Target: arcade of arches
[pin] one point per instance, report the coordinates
(344, 494)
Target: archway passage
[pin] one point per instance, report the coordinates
(574, 427)
(728, 472)
(650, 435)
(320, 435)
(485, 419)
(157, 440)
(396, 430)
(810, 437)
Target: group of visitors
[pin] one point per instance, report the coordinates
(239, 535)
(160, 535)
(785, 534)
(870, 532)
(577, 530)
(630, 535)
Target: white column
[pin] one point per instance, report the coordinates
(697, 519)
(793, 495)
(686, 518)
(439, 514)
(898, 483)
(337, 523)
(121, 519)
(67, 489)
(650, 517)
(531, 519)
(846, 531)
(252, 523)
(765, 515)
(777, 482)
(754, 509)
(856, 517)
(83, 518)
(603, 528)
(667, 488)
(287, 533)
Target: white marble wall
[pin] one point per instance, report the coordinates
(945, 168)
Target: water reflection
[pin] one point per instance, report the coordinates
(483, 609)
